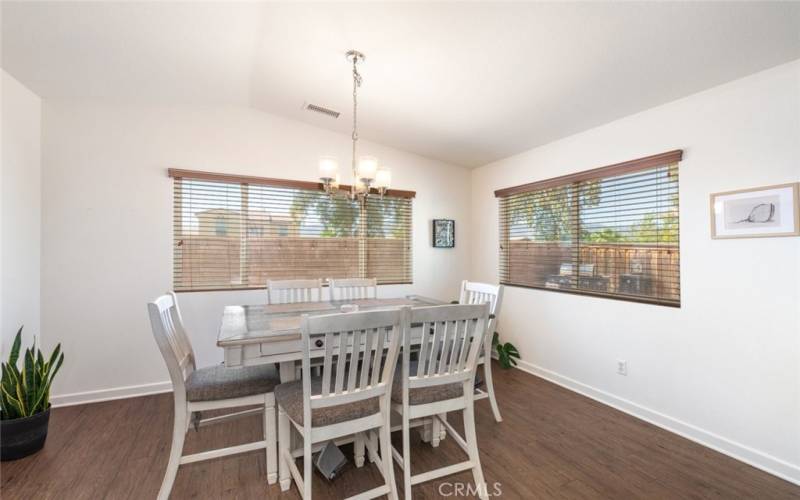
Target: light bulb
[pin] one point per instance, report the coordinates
(383, 178)
(328, 168)
(367, 166)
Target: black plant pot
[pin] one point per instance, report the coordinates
(22, 436)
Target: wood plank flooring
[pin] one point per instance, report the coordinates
(552, 444)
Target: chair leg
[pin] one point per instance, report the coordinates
(358, 449)
(406, 458)
(284, 445)
(373, 437)
(387, 461)
(436, 432)
(270, 438)
(487, 374)
(307, 462)
(472, 447)
(443, 429)
(175, 452)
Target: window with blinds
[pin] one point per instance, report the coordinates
(610, 232)
(233, 232)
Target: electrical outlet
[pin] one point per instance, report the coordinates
(622, 367)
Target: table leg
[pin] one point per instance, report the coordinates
(287, 371)
(426, 430)
(287, 374)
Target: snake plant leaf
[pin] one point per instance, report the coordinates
(40, 402)
(30, 378)
(13, 403)
(55, 370)
(20, 398)
(13, 370)
(12, 357)
(10, 377)
(54, 355)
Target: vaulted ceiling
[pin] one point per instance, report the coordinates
(468, 83)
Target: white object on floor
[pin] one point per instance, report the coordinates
(442, 381)
(479, 293)
(168, 330)
(345, 401)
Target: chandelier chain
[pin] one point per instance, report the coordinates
(356, 84)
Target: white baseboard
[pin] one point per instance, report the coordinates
(743, 453)
(131, 391)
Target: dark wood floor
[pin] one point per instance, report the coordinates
(552, 444)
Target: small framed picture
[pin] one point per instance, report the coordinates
(756, 213)
(444, 233)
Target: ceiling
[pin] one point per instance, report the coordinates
(467, 83)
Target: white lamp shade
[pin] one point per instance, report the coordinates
(383, 178)
(367, 167)
(328, 167)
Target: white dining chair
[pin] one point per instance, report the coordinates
(353, 288)
(441, 380)
(292, 291)
(478, 293)
(212, 388)
(352, 397)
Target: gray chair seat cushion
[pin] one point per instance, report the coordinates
(423, 395)
(289, 396)
(218, 382)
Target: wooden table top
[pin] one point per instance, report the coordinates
(277, 322)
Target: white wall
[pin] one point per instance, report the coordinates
(725, 367)
(21, 212)
(107, 228)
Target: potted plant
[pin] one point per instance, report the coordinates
(506, 353)
(25, 399)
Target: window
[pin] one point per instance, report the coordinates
(610, 232)
(233, 232)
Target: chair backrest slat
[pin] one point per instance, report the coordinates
(293, 291)
(354, 288)
(173, 342)
(380, 344)
(425, 340)
(341, 362)
(353, 367)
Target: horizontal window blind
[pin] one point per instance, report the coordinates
(611, 232)
(234, 233)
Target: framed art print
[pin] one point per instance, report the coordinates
(756, 213)
(444, 233)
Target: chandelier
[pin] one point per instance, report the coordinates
(367, 174)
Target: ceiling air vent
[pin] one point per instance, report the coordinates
(320, 109)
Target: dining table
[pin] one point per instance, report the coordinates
(270, 333)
